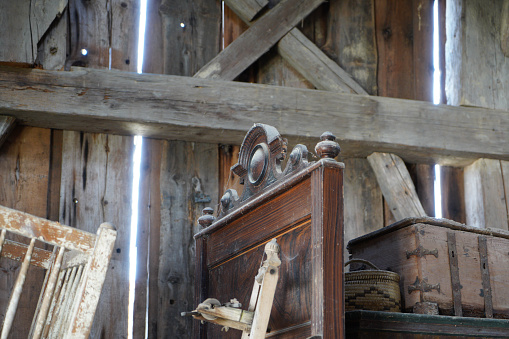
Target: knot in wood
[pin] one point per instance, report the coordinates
(207, 218)
(327, 147)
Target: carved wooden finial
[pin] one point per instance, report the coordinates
(327, 147)
(207, 218)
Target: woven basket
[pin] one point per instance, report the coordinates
(373, 290)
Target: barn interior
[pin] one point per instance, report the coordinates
(132, 112)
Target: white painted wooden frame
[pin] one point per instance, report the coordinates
(76, 270)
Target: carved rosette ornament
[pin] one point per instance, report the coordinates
(260, 159)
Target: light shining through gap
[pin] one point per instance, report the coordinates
(138, 142)
(436, 100)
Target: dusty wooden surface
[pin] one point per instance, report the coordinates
(247, 48)
(396, 185)
(24, 25)
(24, 172)
(474, 33)
(96, 187)
(485, 194)
(183, 176)
(445, 133)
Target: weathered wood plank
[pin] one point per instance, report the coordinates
(24, 164)
(6, 126)
(485, 194)
(95, 188)
(324, 73)
(189, 175)
(148, 241)
(311, 62)
(473, 33)
(246, 9)
(397, 186)
(52, 49)
(453, 194)
(363, 200)
(247, 48)
(175, 108)
(504, 29)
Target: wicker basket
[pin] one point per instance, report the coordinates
(373, 290)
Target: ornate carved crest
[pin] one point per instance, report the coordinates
(260, 162)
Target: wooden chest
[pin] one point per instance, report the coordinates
(302, 207)
(465, 270)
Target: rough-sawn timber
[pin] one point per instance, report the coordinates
(184, 108)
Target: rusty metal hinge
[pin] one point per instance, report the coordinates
(421, 252)
(423, 286)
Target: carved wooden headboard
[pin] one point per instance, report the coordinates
(302, 206)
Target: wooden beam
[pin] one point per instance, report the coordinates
(397, 186)
(6, 126)
(184, 108)
(246, 9)
(257, 40)
(309, 60)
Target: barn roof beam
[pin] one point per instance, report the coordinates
(185, 108)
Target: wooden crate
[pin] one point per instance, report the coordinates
(302, 207)
(465, 270)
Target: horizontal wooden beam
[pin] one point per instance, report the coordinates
(215, 111)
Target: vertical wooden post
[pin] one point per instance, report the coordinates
(327, 251)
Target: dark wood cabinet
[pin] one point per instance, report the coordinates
(303, 209)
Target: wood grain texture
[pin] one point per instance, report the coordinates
(351, 41)
(96, 187)
(291, 305)
(286, 209)
(52, 49)
(247, 9)
(147, 242)
(485, 194)
(6, 126)
(24, 166)
(327, 306)
(187, 171)
(453, 193)
(396, 185)
(473, 33)
(174, 106)
(363, 200)
(241, 53)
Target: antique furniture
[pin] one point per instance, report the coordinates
(76, 269)
(253, 321)
(464, 270)
(301, 205)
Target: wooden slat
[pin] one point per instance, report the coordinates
(453, 193)
(16, 251)
(397, 186)
(101, 192)
(485, 194)
(186, 170)
(6, 126)
(174, 108)
(16, 292)
(247, 48)
(49, 231)
(82, 314)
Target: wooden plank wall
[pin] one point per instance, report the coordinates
(180, 178)
(76, 178)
